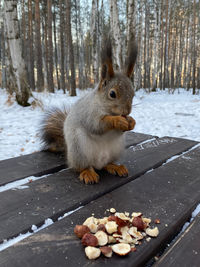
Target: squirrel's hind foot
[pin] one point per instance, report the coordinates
(89, 176)
(115, 169)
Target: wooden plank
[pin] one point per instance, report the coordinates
(40, 163)
(61, 192)
(186, 250)
(133, 138)
(169, 193)
(35, 164)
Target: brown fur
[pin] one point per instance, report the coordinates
(131, 58)
(52, 130)
(106, 61)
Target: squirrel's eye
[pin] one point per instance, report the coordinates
(112, 94)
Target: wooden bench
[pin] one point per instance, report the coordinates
(37, 189)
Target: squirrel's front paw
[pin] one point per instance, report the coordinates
(131, 122)
(89, 176)
(116, 122)
(121, 123)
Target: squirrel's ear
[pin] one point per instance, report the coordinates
(131, 58)
(106, 61)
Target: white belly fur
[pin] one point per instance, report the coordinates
(102, 149)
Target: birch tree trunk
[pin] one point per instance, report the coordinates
(23, 33)
(194, 49)
(30, 44)
(22, 87)
(174, 46)
(186, 53)
(161, 50)
(50, 47)
(45, 46)
(81, 50)
(94, 35)
(189, 56)
(179, 61)
(155, 47)
(131, 20)
(62, 56)
(3, 57)
(70, 48)
(166, 46)
(38, 50)
(131, 24)
(116, 34)
(55, 46)
(144, 49)
(138, 76)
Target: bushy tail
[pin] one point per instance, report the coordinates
(51, 131)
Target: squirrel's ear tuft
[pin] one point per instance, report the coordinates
(106, 60)
(131, 58)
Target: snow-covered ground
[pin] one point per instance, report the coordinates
(158, 113)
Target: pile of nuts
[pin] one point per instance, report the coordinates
(118, 233)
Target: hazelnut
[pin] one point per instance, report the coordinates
(157, 221)
(136, 214)
(152, 232)
(111, 239)
(102, 238)
(112, 210)
(92, 253)
(89, 240)
(80, 230)
(101, 227)
(111, 227)
(121, 249)
(138, 222)
(134, 233)
(106, 251)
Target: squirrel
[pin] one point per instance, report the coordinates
(92, 132)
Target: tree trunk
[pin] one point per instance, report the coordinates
(174, 57)
(131, 24)
(186, 54)
(194, 49)
(30, 44)
(50, 47)
(38, 48)
(161, 50)
(62, 54)
(23, 33)
(70, 48)
(190, 55)
(22, 87)
(155, 48)
(81, 50)
(144, 50)
(95, 36)
(116, 34)
(55, 46)
(3, 58)
(166, 46)
(45, 44)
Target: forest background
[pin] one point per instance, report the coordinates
(56, 44)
